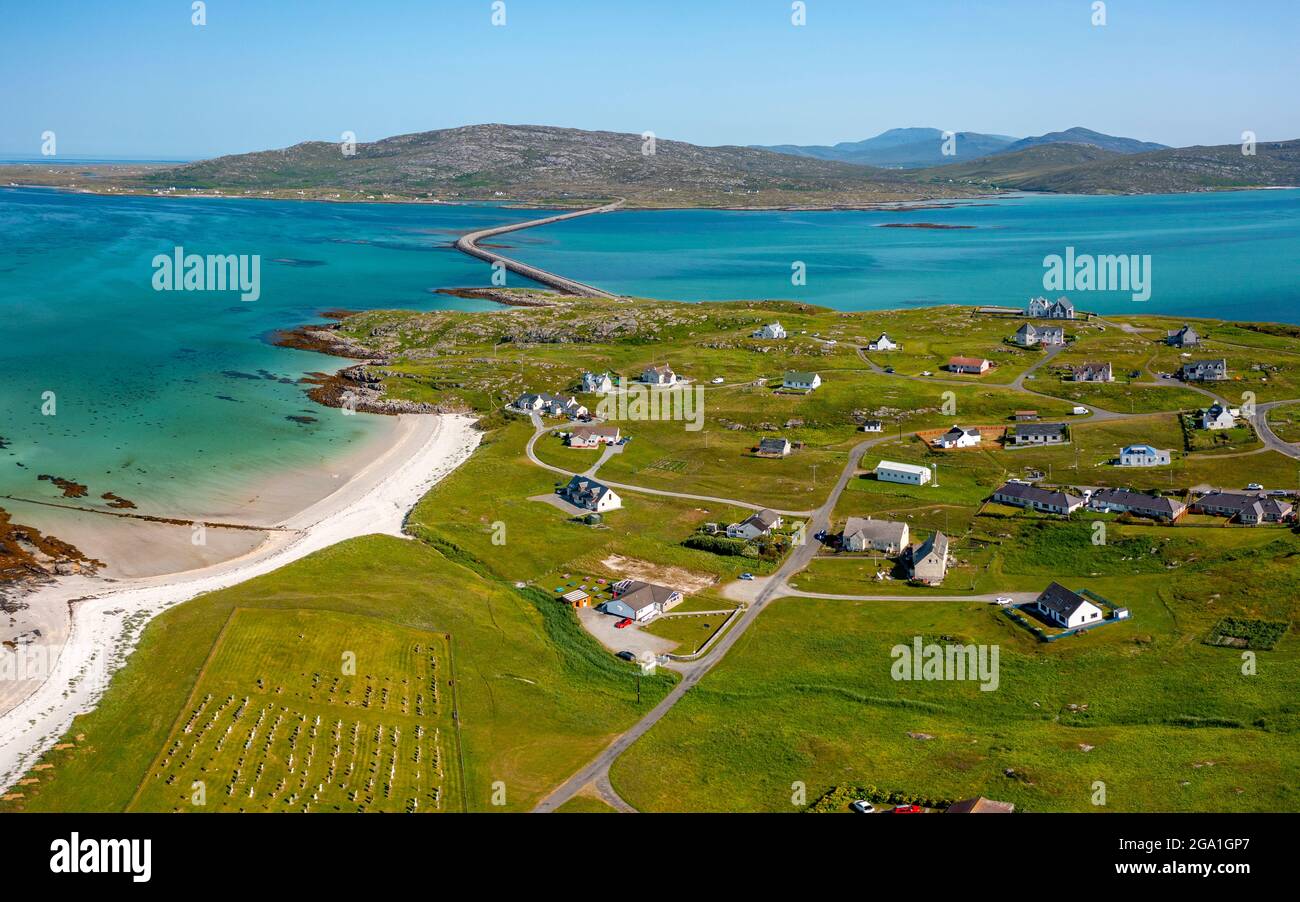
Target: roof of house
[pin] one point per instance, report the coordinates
(793, 376)
(966, 361)
(903, 468)
(1238, 501)
(980, 805)
(594, 431)
(936, 544)
(662, 369)
(1138, 500)
(876, 530)
(640, 595)
(957, 431)
(1185, 330)
(1218, 363)
(586, 487)
(575, 596)
(1141, 449)
(1038, 429)
(1026, 492)
(773, 444)
(1088, 369)
(764, 519)
(1061, 600)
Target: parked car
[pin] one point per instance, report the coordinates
(862, 806)
(717, 380)
(623, 624)
(1254, 487)
(746, 576)
(1004, 599)
(907, 809)
(626, 656)
(889, 369)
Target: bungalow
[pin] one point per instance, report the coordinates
(980, 805)
(976, 366)
(1142, 456)
(1065, 608)
(1185, 337)
(1027, 336)
(959, 437)
(1031, 497)
(1042, 308)
(1204, 371)
(873, 425)
(801, 381)
(1126, 501)
(1093, 372)
(593, 436)
(659, 375)
(1025, 416)
(874, 535)
(929, 560)
(1216, 416)
(774, 447)
(588, 494)
(883, 343)
(771, 331)
(597, 383)
(1252, 509)
(906, 474)
(1038, 434)
(641, 601)
(755, 525)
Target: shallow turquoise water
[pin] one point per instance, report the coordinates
(1233, 254)
(175, 400)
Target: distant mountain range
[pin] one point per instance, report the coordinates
(914, 148)
(569, 167)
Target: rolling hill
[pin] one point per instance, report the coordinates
(901, 148)
(1086, 136)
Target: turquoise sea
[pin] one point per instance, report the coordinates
(172, 399)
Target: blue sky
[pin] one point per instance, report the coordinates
(136, 79)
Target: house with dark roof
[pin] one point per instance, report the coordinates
(1023, 434)
(1185, 337)
(1216, 416)
(1251, 508)
(1127, 501)
(866, 534)
(1093, 372)
(774, 447)
(752, 527)
(588, 494)
(1031, 497)
(801, 381)
(1042, 308)
(640, 601)
(1204, 371)
(959, 437)
(873, 425)
(928, 561)
(1065, 608)
(1028, 336)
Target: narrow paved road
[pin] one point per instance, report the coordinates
(469, 244)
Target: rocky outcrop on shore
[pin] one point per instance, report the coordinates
(510, 297)
(361, 389)
(27, 556)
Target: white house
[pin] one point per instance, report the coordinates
(640, 601)
(1027, 336)
(659, 375)
(597, 383)
(591, 495)
(1094, 372)
(1216, 416)
(771, 330)
(1142, 456)
(883, 343)
(866, 534)
(906, 474)
(873, 425)
(976, 366)
(801, 381)
(755, 525)
(959, 437)
(1065, 608)
(1042, 308)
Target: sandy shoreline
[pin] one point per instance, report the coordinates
(92, 623)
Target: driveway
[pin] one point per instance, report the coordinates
(633, 638)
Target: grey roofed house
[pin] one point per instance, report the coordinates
(1021, 494)
(585, 492)
(1093, 372)
(1038, 433)
(861, 533)
(775, 446)
(1252, 508)
(930, 559)
(764, 519)
(1185, 337)
(1060, 600)
(1204, 370)
(639, 595)
(1156, 507)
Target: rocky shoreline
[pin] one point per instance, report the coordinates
(27, 556)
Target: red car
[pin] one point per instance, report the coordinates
(907, 809)
(626, 622)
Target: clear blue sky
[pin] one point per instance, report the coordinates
(135, 78)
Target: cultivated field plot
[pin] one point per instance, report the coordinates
(312, 711)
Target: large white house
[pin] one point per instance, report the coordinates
(659, 375)
(1216, 416)
(1143, 456)
(597, 383)
(801, 381)
(591, 495)
(755, 525)
(1065, 608)
(906, 474)
(771, 331)
(959, 437)
(1042, 308)
(1027, 336)
(883, 343)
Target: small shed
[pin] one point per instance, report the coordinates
(577, 598)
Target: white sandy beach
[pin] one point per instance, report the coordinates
(97, 620)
